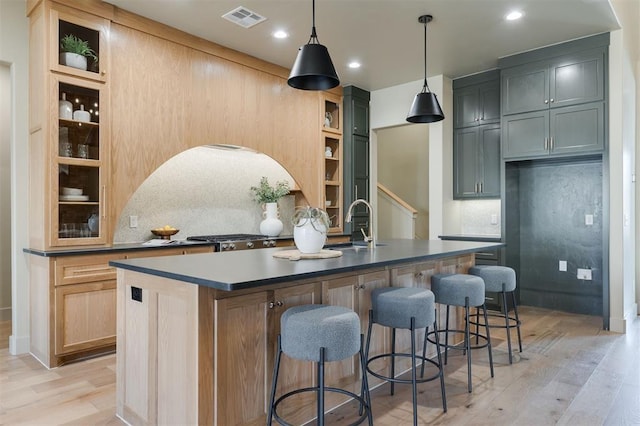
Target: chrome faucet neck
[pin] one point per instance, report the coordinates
(370, 239)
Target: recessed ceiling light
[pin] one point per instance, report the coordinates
(280, 34)
(354, 64)
(512, 16)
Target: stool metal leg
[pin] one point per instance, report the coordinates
(486, 321)
(320, 399)
(506, 322)
(393, 358)
(365, 395)
(467, 340)
(424, 350)
(446, 338)
(276, 368)
(442, 391)
(413, 372)
(515, 311)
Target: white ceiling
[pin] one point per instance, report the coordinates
(465, 36)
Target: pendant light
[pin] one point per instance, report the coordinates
(313, 69)
(425, 107)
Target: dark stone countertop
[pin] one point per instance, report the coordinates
(123, 247)
(486, 238)
(254, 268)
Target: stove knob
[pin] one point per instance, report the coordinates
(249, 244)
(272, 243)
(232, 246)
(224, 247)
(265, 243)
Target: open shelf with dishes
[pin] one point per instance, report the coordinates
(80, 192)
(333, 180)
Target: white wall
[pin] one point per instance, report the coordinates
(14, 48)
(5, 193)
(403, 167)
(389, 108)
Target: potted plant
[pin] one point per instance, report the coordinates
(310, 226)
(75, 51)
(268, 196)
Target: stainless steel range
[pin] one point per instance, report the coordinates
(236, 241)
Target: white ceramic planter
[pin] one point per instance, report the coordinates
(271, 226)
(73, 60)
(309, 237)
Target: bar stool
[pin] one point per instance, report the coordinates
(320, 333)
(465, 291)
(501, 279)
(405, 308)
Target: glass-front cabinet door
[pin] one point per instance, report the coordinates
(74, 31)
(78, 181)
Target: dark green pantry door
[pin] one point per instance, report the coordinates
(490, 155)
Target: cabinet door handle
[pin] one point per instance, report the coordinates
(552, 100)
(355, 192)
(271, 305)
(546, 142)
(481, 187)
(551, 143)
(546, 101)
(279, 303)
(104, 201)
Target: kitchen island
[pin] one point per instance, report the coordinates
(196, 335)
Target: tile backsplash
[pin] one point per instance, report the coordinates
(480, 217)
(204, 191)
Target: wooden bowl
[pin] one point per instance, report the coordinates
(165, 234)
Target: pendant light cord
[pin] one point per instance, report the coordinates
(314, 36)
(425, 87)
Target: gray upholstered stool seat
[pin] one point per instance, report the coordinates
(405, 308)
(466, 291)
(320, 333)
(307, 328)
(502, 280)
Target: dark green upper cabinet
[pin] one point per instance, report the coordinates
(476, 138)
(477, 162)
(569, 80)
(356, 157)
(477, 104)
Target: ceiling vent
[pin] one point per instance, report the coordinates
(243, 17)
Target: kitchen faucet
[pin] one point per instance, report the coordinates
(370, 239)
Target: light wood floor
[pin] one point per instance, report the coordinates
(571, 372)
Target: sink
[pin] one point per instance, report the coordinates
(356, 246)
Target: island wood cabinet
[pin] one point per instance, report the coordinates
(69, 147)
(213, 351)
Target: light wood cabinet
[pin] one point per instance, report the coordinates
(69, 130)
(246, 333)
(73, 303)
(332, 150)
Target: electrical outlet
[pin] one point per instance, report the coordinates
(588, 219)
(494, 219)
(136, 294)
(584, 274)
(562, 265)
(133, 221)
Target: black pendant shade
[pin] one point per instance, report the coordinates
(425, 107)
(313, 69)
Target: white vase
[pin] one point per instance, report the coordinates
(271, 226)
(309, 235)
(73, 60)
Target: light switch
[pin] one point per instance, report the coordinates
(588, 219)
(133, 221)
(562, 265)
